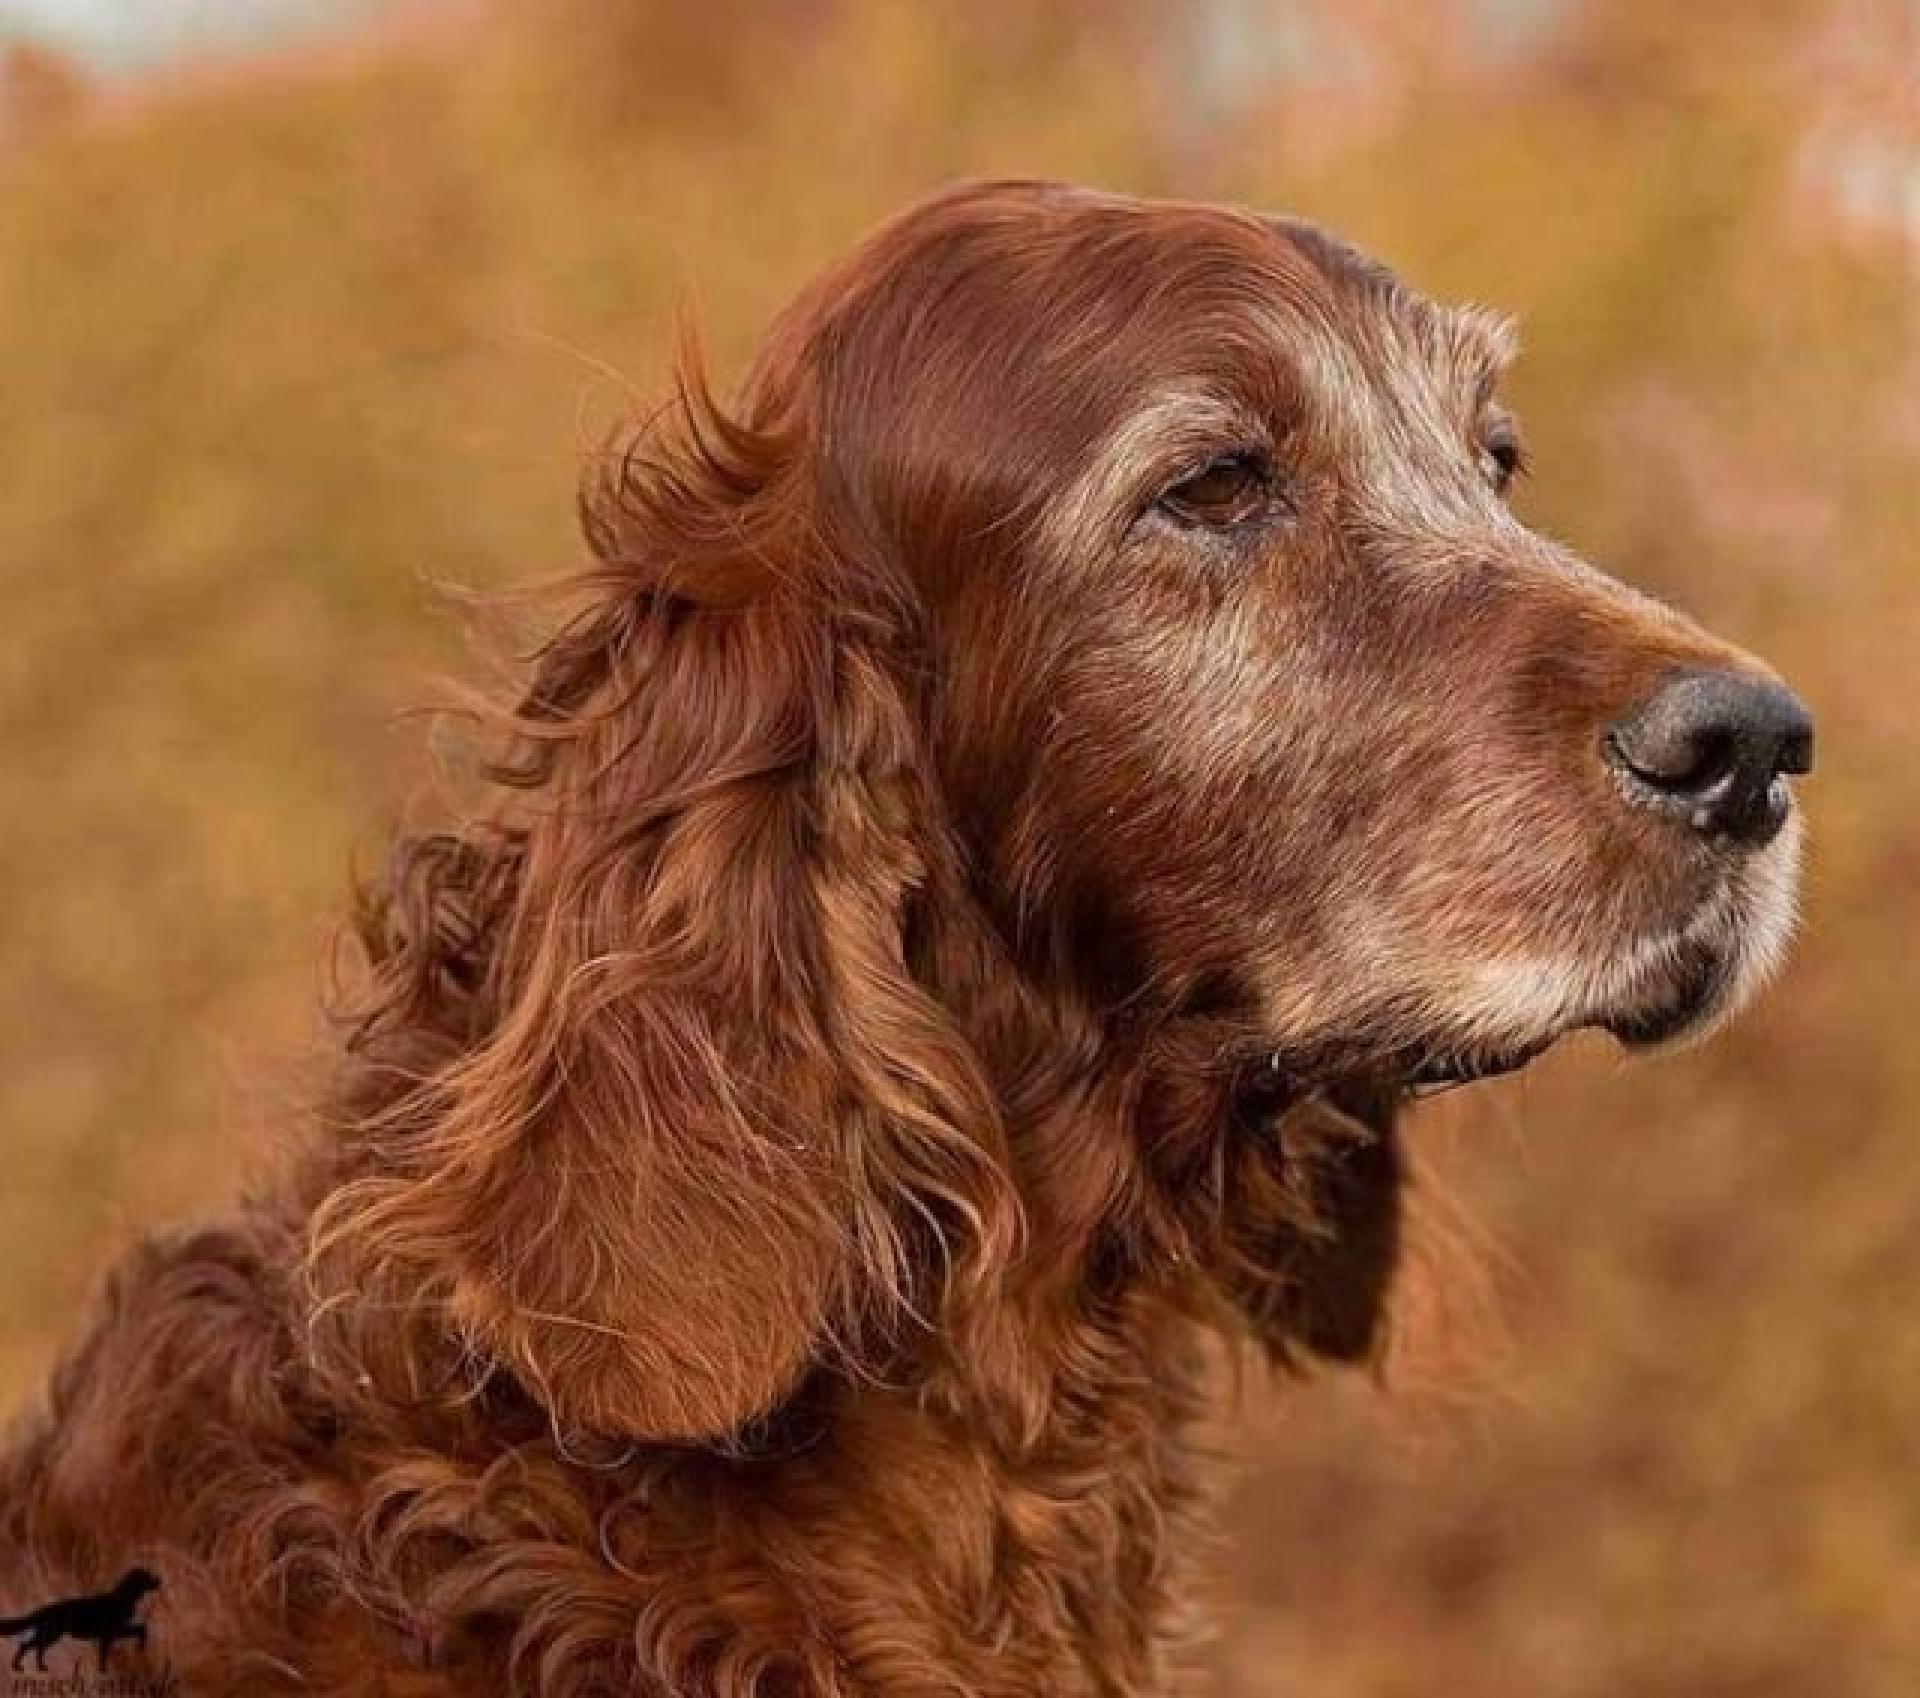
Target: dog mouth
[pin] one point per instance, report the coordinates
(1696, 985)
(1648, 993)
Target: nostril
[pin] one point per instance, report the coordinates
(1713, 745)
(1796, 751)
(1683, 759)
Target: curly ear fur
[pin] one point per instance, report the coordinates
(666, 1117)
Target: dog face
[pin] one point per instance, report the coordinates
(1250, 685)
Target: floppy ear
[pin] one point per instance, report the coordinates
(696, 1121)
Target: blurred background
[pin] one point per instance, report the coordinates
(307, 306)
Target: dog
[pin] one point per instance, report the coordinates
(1023, 796)
(103, 1618)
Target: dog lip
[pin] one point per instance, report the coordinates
(1650, 1028)
(1443, 1069)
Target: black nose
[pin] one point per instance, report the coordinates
(1712, 746)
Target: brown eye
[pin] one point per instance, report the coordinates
(1226, 492)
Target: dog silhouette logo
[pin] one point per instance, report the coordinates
(99, 1619)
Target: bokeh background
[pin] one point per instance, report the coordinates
(309, 307)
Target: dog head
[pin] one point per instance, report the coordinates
(1089, 605)
(1248, 674)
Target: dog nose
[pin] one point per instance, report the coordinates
(1712, 747)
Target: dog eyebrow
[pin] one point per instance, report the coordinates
(1468, 346)
(1471, 345)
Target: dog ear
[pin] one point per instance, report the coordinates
(693, 1121)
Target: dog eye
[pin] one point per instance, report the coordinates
(1225, 492)
(1502, 459)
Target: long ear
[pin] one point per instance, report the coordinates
(694, 1119)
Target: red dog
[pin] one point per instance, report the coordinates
(1031, 789)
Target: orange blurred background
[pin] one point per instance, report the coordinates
(288, 339)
